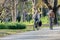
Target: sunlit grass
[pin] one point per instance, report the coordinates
(5, 32)
(45, 20)
(28, 23)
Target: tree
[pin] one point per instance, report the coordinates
(13, 10)
(54, 8)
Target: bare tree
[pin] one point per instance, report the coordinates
(13, 9)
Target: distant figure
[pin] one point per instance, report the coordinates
(51, 18)
(36, 17)
(24, 15)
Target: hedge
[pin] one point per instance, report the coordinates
(12, 26)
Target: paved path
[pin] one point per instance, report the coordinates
(43, 34)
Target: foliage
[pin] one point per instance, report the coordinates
(45, 20)
(27, 6)
(2, 26)
(29, 17)
(20, 26)
(28, 23)
(44, 11)
(12, 25)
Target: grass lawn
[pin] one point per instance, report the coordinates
(5, 32)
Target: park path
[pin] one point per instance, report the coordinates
(42, 34)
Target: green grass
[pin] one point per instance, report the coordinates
(28, 23)
(5, 32)
(45, 20)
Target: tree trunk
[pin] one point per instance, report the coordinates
(21, 12)
(13, 10)
(55, 9)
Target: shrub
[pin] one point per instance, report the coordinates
(16, 26)
(2, 26)
(12, 26)
(21, 26)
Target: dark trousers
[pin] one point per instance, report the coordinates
(51, 22)
(36, 24)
